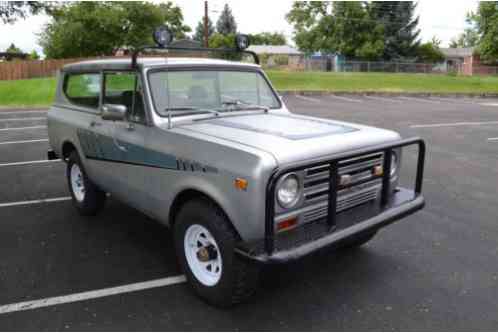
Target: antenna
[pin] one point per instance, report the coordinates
(168, 93)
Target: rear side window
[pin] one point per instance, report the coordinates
(83, 89)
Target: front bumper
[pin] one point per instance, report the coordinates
(403, 203)
(337, 226)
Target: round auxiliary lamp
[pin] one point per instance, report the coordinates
(242, 42)
(162, 36)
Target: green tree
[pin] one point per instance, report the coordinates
(485, 21)
(34, 55)
(226, 24)
(113, 25)
(429, 52)
(199, 30)
(401, 34)
(10, 11)
(468, 38)
(336, 27)
(268, 38)
(218, 40)
(13, 49)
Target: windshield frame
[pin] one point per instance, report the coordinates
(213, 68)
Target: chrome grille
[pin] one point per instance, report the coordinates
(360, 170)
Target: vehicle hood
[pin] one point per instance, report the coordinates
(290, 137)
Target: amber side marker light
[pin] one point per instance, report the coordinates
(286, 224)
(240, 184)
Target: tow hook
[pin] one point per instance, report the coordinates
(51, 155)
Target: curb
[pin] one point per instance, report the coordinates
(384, 94)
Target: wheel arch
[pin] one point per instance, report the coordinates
(189, 194)
(67, 148)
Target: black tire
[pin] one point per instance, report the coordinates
(239, 278)
(94, 198)
(359, 240)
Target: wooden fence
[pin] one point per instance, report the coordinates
(17, 70)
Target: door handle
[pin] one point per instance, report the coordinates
(120, 147)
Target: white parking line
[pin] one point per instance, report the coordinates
(455, 124)
(418, 100)
(21, 128)
(23, 119)
(24, 141)
(382, 99)
(307, 99)
(33, 202)
(488, 104)
(28, 162)
(51, 301)
(347, 99)
(493, 139)
(21, 112)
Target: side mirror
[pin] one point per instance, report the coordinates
(114, 112)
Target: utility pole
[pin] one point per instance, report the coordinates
(206, 18)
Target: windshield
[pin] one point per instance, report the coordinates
(211, 91)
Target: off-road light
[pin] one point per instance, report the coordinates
(162, 36)
(241, 42)
(288, 190)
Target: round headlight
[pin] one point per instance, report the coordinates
(394, 164)
(288, 191)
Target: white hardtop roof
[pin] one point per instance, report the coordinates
(146, 62)
(274, 49)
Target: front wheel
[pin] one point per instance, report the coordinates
(87, 197)
(205, 242)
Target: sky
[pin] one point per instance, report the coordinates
(442, 18)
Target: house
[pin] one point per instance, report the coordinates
(464, 60)
(7, 56)
(186, 43)
(278, 55)
(454, 58)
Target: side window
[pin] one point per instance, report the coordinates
(124, 88)
(83, 89)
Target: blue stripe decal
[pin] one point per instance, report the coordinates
(102, 147)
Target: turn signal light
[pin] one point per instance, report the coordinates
(286, 224)
(241, 184)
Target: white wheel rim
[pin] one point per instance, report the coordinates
(77, 183)
(207, 272)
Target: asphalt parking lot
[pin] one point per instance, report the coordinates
(435, 270)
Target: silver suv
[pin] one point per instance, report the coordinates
(208, 147)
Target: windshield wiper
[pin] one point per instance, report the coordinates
(191, 109)
(246, 105)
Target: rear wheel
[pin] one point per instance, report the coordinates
(205, 245)
(87, 197)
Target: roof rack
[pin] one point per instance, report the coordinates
(136, 53)
(163, 37)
